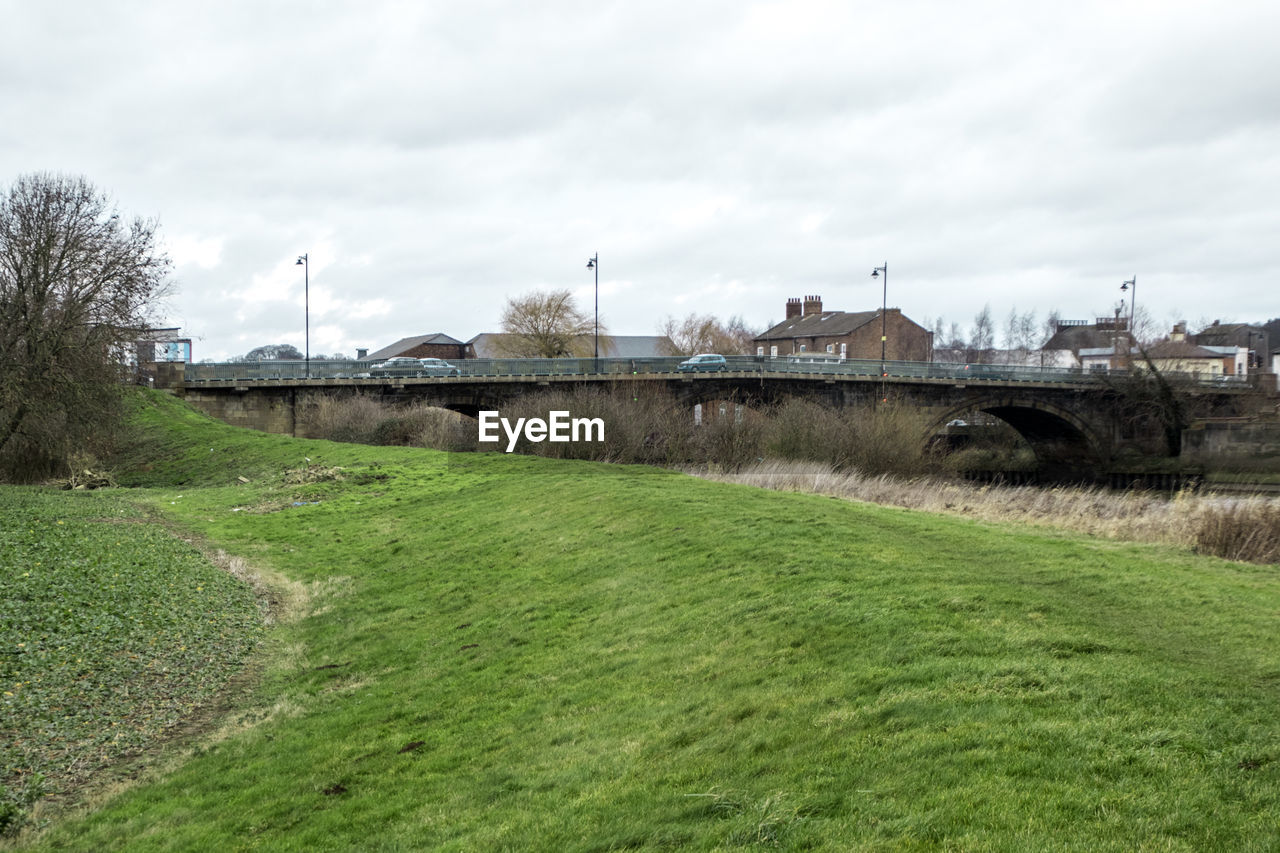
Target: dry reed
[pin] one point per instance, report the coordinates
(1245, 529)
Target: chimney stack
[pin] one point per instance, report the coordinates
(794, 308)
(812, 305)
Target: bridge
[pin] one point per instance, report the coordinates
(1078, 423)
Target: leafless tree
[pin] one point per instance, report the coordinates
(77, 283)
(982, 336)
(697, 333)
(1019, 335)
(1050, 327)
(548, 325)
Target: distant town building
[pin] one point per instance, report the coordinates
(1253, 339)
(845, 334)
(162, 345)
(1088, 342)
(437, 345)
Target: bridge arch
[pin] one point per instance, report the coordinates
(1065, 445)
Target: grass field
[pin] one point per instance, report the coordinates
(494, 652)
(111, 631)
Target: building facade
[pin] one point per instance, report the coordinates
(438, 345)
(845, 334)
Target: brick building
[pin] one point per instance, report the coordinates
(844, 334)
(438, 345)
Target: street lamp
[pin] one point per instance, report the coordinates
(593, 263)
(306, 307)
(1133, 298)
(884, 301)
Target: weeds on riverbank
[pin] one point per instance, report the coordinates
(1235, 528)
(649, 426)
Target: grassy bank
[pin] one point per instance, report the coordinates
(504, 652)
(111, 632)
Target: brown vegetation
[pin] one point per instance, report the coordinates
(650, 427)
(365, 420)
(1235, 528)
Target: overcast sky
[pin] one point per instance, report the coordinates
(434, 159)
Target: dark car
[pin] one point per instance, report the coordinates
(704, 363)
(401, 365)
(438, 367)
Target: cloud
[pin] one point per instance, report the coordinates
(435, 159)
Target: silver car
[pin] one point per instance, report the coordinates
(401, 365)
(438, 367)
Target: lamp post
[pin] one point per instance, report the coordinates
(1255, 355)
(593, 263)
(1133, 298)
(306, 308)
(884, 301)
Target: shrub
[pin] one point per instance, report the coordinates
(1240, 530)
(878, 439)
(352, 418)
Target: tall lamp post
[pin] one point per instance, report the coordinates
(884, 302)
(593, 263)
(1133, 299)
(306, 307)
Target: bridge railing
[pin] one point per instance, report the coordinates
(275, 369)
(798, 364)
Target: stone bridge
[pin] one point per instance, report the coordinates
(1077, 430)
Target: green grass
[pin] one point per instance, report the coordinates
(516, 653)
(111, 631)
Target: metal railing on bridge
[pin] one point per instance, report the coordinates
(265, 371)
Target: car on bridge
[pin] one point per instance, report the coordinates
(438, 367)
(401, 365)
(703, 363)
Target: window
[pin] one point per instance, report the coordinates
(773, 351)
(844, 350)
(831, 348)
(802, 348)
(759, 350)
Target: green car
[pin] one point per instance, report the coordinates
(705, 363)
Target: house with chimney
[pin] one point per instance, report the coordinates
(1184, 354)
(1252, 339)
(1104, 344)
(808, 329)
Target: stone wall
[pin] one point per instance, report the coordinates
(1231, 438)
(268, 410)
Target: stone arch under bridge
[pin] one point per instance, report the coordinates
(1066, 446)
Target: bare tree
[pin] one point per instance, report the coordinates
(76, 286)
(1019, 335)
(982, 336)
(548, 325)
(697, 333)
(1050, 327)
